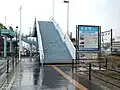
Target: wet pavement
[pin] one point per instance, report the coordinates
(79, 77)
(29, 75)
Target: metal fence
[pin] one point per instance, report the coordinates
(100, 73)
(7, 67)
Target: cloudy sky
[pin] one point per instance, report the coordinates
(105, 13)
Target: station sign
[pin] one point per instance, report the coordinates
(88, 38)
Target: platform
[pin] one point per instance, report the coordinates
(29, 75)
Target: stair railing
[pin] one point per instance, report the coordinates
(23, 37)
(65, 38)
(70, 46)
(58, 29)
(40, 43)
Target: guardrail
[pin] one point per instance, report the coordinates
(70, 46)
(104, 67)
(65, 39)
(58, 29)
(40, 44)
(7, 67)
(105, 75)
(37, 58)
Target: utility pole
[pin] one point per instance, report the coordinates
(53, 8)
(5, 20)
(20, 36)
(67, 16)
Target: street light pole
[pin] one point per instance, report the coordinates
(53, 7)
(20, 36)
(31, 43)
(67, 16)
(5, 20)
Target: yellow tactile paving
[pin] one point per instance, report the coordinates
(116, 57)
(70, 79)
(62, 65)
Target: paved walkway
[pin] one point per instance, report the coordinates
(29, 75)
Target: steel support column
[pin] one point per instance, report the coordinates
(10, 44)
(5, 46)
(30, 50)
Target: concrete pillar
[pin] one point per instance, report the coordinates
(5, 46)
(30, 50)
(10, 44)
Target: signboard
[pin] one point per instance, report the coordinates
(83, 56)
(88, 38)
(106, 36)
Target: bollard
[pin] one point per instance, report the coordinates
(89, 71)
(7, 66)
(99, 63)
(16, 60)
(13, 62)
(106, 63)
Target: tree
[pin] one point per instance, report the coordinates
(1, 25)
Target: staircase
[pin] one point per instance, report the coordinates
(55, 50)
(29, 41)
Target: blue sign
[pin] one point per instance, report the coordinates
(88, 37)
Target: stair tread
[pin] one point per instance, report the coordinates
(54, 48)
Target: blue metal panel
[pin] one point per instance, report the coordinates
(54, 48)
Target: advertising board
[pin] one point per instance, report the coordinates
(88, 38)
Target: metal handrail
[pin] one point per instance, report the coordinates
(70, 46)
(58, 29)
(104, 80)
(65, 39)
(3, 68)
(8, 61)
(90, 69)
(2, 63)
(106, 75)
(9, 66)
(40, 43)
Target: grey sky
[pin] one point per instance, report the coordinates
(94, 12)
